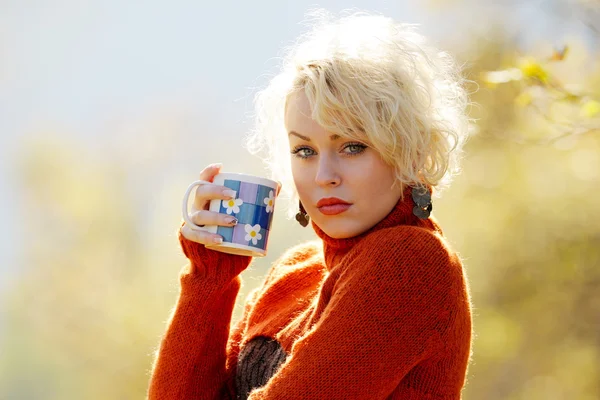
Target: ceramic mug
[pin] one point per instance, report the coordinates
(253, 205)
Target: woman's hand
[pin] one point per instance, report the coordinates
(201, 215)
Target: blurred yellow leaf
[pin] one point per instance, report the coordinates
(491, 85)
(532, 69)
(502, 76)
(590, 108)
(570, 98)
(524, 99)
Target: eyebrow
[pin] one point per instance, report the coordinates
(332, 137)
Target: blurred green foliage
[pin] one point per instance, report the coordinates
(99, 266)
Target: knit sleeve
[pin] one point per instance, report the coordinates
(192, 361)
(387, 313)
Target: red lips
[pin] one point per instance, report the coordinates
(332, 206)
(331, 201)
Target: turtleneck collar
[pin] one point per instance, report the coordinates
(401, 214)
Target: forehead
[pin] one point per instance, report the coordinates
(297, 108)
(298, 117)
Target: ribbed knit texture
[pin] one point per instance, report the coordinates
(258, 361)
(384, 315)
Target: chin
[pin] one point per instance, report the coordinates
(341, 230)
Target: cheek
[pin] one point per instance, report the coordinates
(380, 177)
(301, 176)
(372, 172)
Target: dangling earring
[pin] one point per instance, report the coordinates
(302, 217)
(422, 199)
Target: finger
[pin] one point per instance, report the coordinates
(207, 174)
(201, 237)
(210, 171)
(205, 193)
(278, 188)
(204, 217)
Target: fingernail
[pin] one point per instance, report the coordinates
(216, 165)
(231, 220)
(229, 193)
(218, 240)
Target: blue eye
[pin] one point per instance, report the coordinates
(349, 149)
(303, 152)
(355, 148)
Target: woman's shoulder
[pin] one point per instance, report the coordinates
(407, 247)
(306, 255)
(407, 237)
(302, 252)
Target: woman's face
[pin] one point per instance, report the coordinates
(329, 169)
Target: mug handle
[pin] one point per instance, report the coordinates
(184, 205)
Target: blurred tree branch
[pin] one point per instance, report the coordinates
(540, 91)
(529, 83)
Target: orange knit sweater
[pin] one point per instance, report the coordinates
(383, 315)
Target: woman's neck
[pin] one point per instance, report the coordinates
(401, 214)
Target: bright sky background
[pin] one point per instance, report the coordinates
(78, 65)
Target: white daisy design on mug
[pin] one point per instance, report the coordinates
(270, 201)
(253, 233)
(253, 205)
(232, 205)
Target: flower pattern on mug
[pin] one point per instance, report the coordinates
(232, 205)
(270, 201)
(253, 233)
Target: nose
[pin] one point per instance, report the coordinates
(327, 172)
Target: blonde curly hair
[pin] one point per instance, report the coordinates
(371, 79)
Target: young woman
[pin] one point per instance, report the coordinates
(364, 121)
